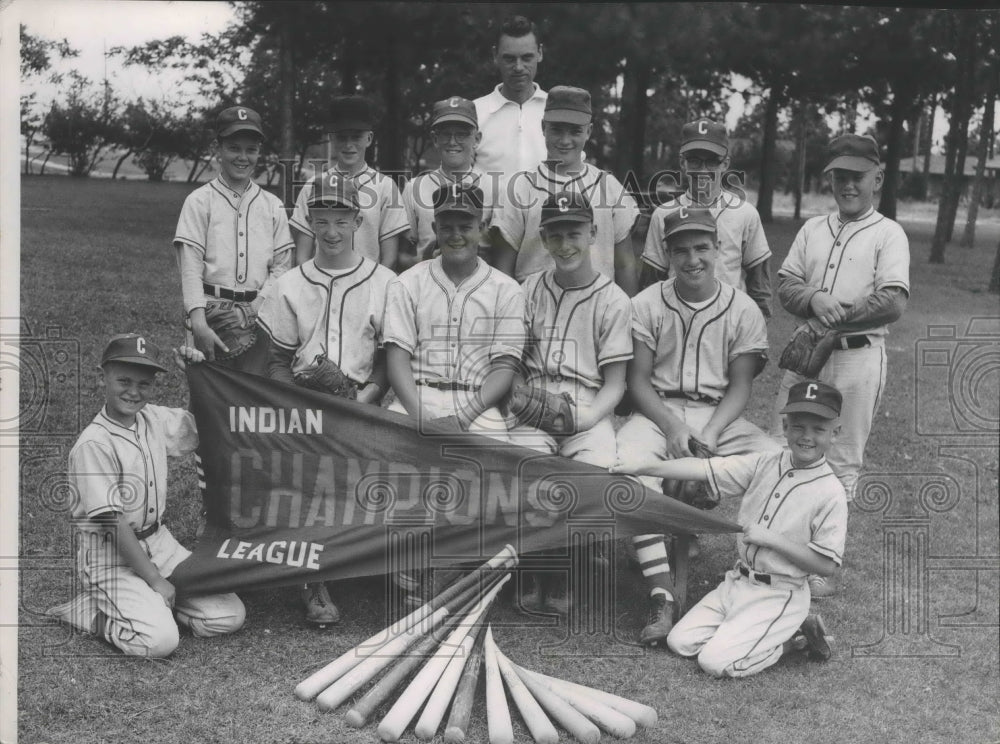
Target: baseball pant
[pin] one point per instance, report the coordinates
(436, 403)
(595, 446)
(859, 375)
(739, 627)
(135, 618)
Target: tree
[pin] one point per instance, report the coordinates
(985, 137)
(84, 126)
(36, 61)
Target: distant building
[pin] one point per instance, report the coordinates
(935, 176)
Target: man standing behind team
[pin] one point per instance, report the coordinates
(510, 117)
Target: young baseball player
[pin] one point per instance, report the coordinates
(699, 343)
(849, 270)
(566, 124)
(118, 470)
(744, 256)
(232, 241)
(455, 134)
(454, 326)
(327, 313)
(794, 519)
(383, 217)
(579, 341)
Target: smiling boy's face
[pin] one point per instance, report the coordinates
(334, 229)
(568, 242)
(855, 190)
(127, 389)
(692, 255)
(238, 155)
(809, 436)
(349, 146)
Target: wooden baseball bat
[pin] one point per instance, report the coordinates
(356, 678)
(643, 715)
(541, 728)
(358, 715)
(399, 716)
(565, 714)
(425, 617)
(461, 708)
(498, 721)
(437, 704)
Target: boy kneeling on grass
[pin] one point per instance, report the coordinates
(794, 518)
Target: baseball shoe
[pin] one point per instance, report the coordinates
(320, 609)
(660, 620)
(822, 587)
(79, 612)
(817, 640)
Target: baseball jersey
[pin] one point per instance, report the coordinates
(742, 242)
(693, 347)
(615, 212)
(124, 469)
(851, 259)
(418, 200)
(337, 314)
(382, 212)
(512, 134)
(454, 333)
(574, 332)
(242, 239)
(806, 505)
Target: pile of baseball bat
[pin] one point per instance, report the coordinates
(440, 649)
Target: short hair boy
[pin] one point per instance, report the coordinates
(383, 217)
(232, 241)
(794, 518)
(118, 469)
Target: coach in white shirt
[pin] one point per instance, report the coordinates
(510, 117)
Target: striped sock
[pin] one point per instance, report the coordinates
(651, 551)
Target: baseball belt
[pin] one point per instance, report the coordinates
(448, 385)
(696, 397)
(854, 342)
(229, 294)
(761, 578)
(147, 531)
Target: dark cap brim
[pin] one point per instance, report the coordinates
(240, 126)
(349, 124)
(567, 116)
(567, 217)
(816, 409)
(851, 163)
(472, 211)
(138, 361)
(690, 227)
(704, 145)
(451, 116)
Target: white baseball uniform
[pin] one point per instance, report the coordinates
(615, 213)
(738, 628)
(418, 200)
(512, 134)
(337, 314)
(572, 334)
(454, 333)
(849, 260)
(692, 348)
(124, 470)
(742, 242)
(382, 212)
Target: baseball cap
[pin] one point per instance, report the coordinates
(333, 190)
(131, 348)
(567, 206)
(817, 398)
(351, 112)
(458, 198)
(457, 109)
(705, 134)
(852, 152)
(689, 219)
(568, 104)
(237, 119)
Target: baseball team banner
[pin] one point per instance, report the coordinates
(301, 486)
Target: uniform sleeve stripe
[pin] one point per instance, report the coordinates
(760, 260)
(270, 335)
(829, 553)
(617, 358)
(405, 345)
(189, 241)
(653, 263)
(785, 272)
(300, 226)
(393, 233)
(104, 509)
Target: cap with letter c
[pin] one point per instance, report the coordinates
(456, 109)
(689, 219)
(566, 206)
(458, 198)
(705, 134)
(332, 191)
(237, 119)
(131, 348)
(815, 397)
(568, 105)
(853, 152)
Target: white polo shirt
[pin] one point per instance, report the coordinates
(512, 133)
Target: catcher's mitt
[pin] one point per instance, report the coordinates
(809, 348)
(540, 409)
(694, 493)
(325, 376)
(235, 323)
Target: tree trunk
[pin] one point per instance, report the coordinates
(917, 135)
(898, 112)
(765, 198)
(48, 154)
(114, 173)
(800, 160)
(391, 145)
(286, 76)
(995, 274)
(985, 135)
(967, 102)
(27, 153)
(928, 143)
(631, 139)
(194, 169)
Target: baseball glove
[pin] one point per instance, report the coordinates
(809, 348)
(325, 376)
(694, 493)
(540, 409)
(234, 323)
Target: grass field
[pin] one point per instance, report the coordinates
(96, 260)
